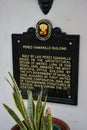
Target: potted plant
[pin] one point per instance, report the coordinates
(35, 117)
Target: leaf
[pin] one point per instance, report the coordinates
(30, 105)
(49, 119)
(20, 104)
(43, 124)
(15, 86)
(38, 109)
(15, 117)
(21, 107)
(34, 115)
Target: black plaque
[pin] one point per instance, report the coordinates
(50, 64)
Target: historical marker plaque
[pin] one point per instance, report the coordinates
(49, 63)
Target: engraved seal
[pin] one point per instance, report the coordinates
(43, 29)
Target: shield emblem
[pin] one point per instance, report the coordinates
(43, 29)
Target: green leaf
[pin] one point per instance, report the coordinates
(30, 105)
(34, 115)
(15, 86)
(15, 117)
(49, 119)
(43, 124)
(38, 110)
(20, 104)
(44, 105)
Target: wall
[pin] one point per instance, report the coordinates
(16, 16)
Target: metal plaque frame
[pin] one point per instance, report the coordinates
(48, 64)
